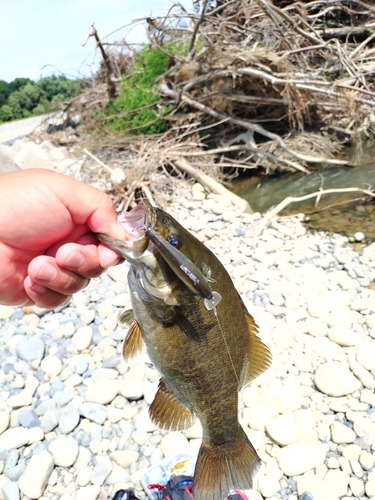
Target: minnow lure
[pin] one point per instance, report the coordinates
(186, 271)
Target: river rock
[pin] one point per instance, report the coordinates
(88, 492)
(174, 442)
(10, 491)
(268, 486)
(316, 487)
(124, 458)
(64, 450)
(365, 355)
(69, 420)
(28, 418)
(101, 470)
(297, 458)
(15, 437)
(334, 379)
(34, 480)
(132, 388)
(282, 429)
(82, 338)
(102, 391)
(84, 476)
(345, 337)
(30, 348)
(342, 433)
(51, 365)
(95, 412)
(4, 420)
(370, 485)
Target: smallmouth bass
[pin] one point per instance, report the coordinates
(203, 359)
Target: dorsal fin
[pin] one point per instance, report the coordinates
(259, 355)
(133, 343)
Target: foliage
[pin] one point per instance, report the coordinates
(22, 97)
(136, 108)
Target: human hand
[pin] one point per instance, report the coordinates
(48, 249)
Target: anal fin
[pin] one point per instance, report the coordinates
(167, 411)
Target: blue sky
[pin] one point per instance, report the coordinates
(35, 33)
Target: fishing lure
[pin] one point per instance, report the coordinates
(186, 271)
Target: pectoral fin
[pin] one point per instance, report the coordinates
(133, 343)
(259, 355)
(168, 413)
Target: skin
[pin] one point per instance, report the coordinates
(48, 249)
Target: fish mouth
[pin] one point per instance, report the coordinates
(135, 242)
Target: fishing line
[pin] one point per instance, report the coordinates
(214, 308)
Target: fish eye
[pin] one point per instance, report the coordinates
(175, 241)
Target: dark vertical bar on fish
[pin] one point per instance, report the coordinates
(188, 273)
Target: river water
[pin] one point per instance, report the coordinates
(347, 213)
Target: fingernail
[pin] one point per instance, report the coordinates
(47, 272)
(39, 289)
(75, 259)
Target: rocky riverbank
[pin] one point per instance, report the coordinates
(73, 416)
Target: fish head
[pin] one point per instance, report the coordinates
(153, 272)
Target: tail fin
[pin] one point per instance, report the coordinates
(222, 468)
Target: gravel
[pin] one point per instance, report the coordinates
(73, 416)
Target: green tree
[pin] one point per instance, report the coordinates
(6, 113)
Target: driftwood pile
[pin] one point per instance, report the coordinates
(278, 86)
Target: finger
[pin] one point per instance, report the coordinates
(86, 260)
(43, 296)
(44, 270)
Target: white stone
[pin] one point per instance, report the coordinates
(297, 458)
(114, 414)
(282, 398)
(365, 355)
(337, 481)
(82, 338)
(102, 391)
(195, 431)
(10, 491)
(268, 486)
(124, 458)
(132, 388)
(34, 480)
(174, 442)
(15, 437)
(64, 450)
(51, 365)
(35, 434)
(342, 433)
(88, 492)
(282, 429)
(4, 420)
(83, 476)
(357, 486)
(316, 487)
(6, 312)
(345, 337)
(334, 379)
(370, 485)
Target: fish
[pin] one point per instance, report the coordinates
(204, 356)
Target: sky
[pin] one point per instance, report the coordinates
(43, 37)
